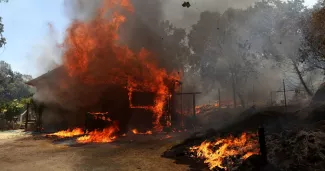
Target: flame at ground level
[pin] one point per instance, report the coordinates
(215, 153)
(68, 133)
(104, 136)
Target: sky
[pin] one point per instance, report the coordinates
(26, 27)
(26, 30)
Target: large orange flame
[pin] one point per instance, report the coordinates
(104, 136)
(93, 56)
(214, 153)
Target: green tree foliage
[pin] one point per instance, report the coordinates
(2, 39)
(14, 108)
(14, 93)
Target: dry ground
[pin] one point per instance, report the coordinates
(137, 152)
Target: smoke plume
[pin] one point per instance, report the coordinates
(174, 36)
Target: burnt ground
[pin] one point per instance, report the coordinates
(295, 138)
(135, 152)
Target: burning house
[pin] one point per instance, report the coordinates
(131, 109)
(102, 79)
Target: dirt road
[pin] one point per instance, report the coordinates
(140, 152)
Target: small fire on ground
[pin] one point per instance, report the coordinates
(68, 133)
(104, 136)
(223, 153)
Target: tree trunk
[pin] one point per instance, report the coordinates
(241, 98)
(301, 79)
(234, 90)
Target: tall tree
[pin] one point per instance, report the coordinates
(2, 39)
(12, 84)
(314, 34)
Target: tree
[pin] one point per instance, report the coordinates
(222, 53)
(231, 48)
(13, 90)
(289, 33)
(314, 34)
(2, 39)
(13, 108)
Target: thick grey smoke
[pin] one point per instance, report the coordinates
(158, 26)
(186, 17)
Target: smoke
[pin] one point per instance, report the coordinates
(166, 29)
(186, 17)
(47, 55)
(256, 46)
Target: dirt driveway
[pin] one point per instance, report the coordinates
(138, 152)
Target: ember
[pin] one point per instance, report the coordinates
(217, 152)
(135, 131)
(206, 107)
(103, 118)
(166, 137)
(98, 113)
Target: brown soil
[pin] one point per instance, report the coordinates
(35, 153)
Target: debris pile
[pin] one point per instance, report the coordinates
(297, 149)
(292, 144)
(226, 152)
(215, 150)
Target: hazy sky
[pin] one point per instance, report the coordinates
(26, 29)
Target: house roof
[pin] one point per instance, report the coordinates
(45, 76)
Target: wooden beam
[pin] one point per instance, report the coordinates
(262, 143)
(219, 97)
(26, 119)
(194, 112)
(285, 97)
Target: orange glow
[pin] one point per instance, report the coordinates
(200, 108)
(166, 137)
(104, 136)
(135, 131)
(104, 118)
(93, 56)
(68, 133)
(214, 153)
(98, 113)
